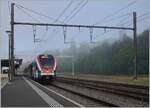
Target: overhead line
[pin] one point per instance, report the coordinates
(127, 25)
(77, 11)
(73, 10)
(65, 9)
(71, 14)
(138, 20)
(70, 3)
(141, 19)
(27, 14)
(121, 16)
(108, 16)
(9, 9)
(144, 14)
(40, 14)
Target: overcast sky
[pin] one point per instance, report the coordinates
(88, 12)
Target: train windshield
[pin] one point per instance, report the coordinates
(47, 61)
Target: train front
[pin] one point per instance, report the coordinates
(47, 67)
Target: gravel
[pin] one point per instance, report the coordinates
(107, 97)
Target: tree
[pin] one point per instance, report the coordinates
(110, 58)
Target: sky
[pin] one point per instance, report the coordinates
(88, 12)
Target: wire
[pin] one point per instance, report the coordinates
(144, 14)
(9, 9)
(121, 16)
(142, 19)
(77, 6)
(67, 7)
(27, 14)
(138, 20)
(40, 14)
(125, 22)
(77, 11)
(108, 16)
(117, 24)
(61, 14)
(70, 12)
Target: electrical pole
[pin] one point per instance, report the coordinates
(9, 39)
(135, 44)
(12, 40)
(9, 74)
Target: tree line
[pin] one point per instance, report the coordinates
(115, 57)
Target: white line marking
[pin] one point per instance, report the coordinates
(50, 101)
(60, 95)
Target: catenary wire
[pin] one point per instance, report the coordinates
(110, 15)
(62, 13)
(9, 9)
(73, 15)
(139, 19)
(38, 13)
(27, 14)
(77, 6)
(65, 9)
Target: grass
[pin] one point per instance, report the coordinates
(128, 79)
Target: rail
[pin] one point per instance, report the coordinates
(138, 94)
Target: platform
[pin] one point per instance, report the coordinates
(22, 92)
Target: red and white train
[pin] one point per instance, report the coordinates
(43, 68)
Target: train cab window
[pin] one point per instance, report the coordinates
(47, 61)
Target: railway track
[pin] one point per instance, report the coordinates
(100, 102)
(108, 93)
(78, 97)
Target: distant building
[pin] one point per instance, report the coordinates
(4, 65)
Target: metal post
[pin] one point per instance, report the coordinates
(12, 39)
(72, 26)
(9, 55)
(135, 45)
(9, 74)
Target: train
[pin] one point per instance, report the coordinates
(43, 68)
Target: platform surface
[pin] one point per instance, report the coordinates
(22, 92)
